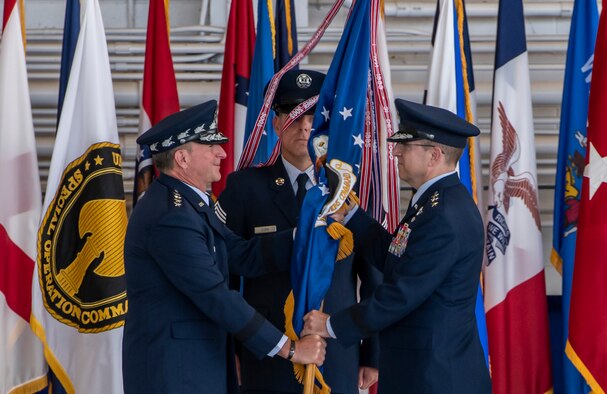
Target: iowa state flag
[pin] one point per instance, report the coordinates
(22, 365)
(587, 345)
(232, 112)
(159, 93)
(570, 165)
(79, 291)
(515, 290)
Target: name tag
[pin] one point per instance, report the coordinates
(264, 229)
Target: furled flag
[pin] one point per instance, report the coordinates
(262, 71)
(232, 112)
(159, 94)
(79, 291)
(515, 289)
(451, 86)
(587, 347)
(22, 366)
(336, 141)
(286, 33)
(379, 185)
(71, 29)
(570, 164)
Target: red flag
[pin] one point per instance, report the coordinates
(232, 112)
(159, 95)
(587, 344)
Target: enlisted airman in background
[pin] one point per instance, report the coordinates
(264, 200)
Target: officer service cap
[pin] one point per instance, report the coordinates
(295, 87)
(419, 121)
(197, 123)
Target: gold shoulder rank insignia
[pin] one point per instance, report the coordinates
(176, 198)
(434, 199)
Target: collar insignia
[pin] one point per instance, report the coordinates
(434, 199)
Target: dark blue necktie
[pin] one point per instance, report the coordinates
(302, 179)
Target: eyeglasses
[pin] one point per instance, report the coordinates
(423, 145)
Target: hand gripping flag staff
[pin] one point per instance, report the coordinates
(335, 146)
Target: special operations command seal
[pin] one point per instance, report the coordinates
(80, 243)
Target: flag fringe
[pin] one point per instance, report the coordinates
(33, 386)
(557, 261)
(338, 231)
(320, 386)
(50, 357)
(579, 364)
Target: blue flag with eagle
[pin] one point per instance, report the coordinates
(335, 146)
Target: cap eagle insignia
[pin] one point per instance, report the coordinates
(507, 184)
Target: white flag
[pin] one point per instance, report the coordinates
(79, 303)
(22, 365)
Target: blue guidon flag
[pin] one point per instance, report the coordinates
(335, 146)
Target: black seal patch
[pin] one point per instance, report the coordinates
(81, 243)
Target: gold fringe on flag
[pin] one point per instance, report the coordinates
(320, 386)
(338, 231)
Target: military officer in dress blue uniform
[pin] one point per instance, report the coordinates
(265, 200)
(178, 257)
(424, 309)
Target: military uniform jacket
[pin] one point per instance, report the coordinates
(424, 309)
(181, 311)
(261, 199)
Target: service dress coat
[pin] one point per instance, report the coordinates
(425, 307)
(181, 311)
(261, 201)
